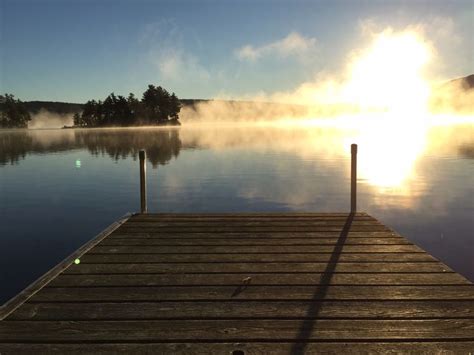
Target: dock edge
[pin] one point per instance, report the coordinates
(12, 304)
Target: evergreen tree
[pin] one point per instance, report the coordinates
(13, 113)
(157, 106)
(77, 119)
(175, 107)
(92, 113)
(136, 109)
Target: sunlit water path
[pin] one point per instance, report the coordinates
(58, 188)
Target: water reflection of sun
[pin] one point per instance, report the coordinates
(388, 152)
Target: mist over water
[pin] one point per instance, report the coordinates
(46, 120)
(374, 79)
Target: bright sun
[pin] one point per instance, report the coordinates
(386, 83)
(388, 75)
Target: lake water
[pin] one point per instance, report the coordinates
(59, 188)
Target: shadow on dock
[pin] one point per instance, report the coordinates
(309, 324)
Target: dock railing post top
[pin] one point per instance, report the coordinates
(354, 148)
(141, 154)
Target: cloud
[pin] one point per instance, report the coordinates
(166, 52)
(443, 29)
(176, 64)
(292, 45)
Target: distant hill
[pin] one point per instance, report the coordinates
(467, 82)
(455, 96)
(61, 108)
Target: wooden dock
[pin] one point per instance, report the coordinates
(244, 284)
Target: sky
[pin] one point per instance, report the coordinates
(76, 50)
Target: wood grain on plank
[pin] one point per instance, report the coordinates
(74, 280)
(98, 258)
(180, 268)
(242, 330)
(251, 216)
(287, 249)
(248, 229)
(253, 241)
(249, 224)
(251, 235)
(249, 348)
(246, 309)
(251, 292)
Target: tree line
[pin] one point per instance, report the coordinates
(156, 107)
(13, 113)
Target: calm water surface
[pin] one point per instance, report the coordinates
(59, 188)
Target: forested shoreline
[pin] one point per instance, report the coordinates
(13, 113)
(156, 107)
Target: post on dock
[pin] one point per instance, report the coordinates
(353, 178)
(142, 156)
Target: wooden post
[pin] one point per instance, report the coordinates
(142, 156)
(353, 178)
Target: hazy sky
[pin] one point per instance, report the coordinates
(75, 50)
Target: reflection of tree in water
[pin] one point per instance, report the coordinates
(165, 148)
(14, 146)
(160, 145)
(466, 151)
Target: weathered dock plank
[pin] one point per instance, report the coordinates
(258, 283)
(245, 236)
(243, 330)
(248, 229)
(269, 267)
(250, 348)
(286, 249)
(98, 258)
(222, 293)
(243, 310)
(249, 241)
(235, 279)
